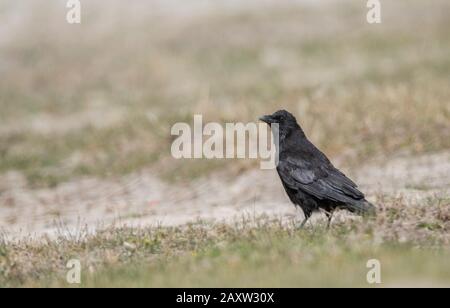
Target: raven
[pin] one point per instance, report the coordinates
(309, 178)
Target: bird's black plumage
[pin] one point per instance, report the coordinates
(309, 178)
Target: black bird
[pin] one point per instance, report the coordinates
(309, 178)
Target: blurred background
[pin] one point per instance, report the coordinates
(86, 110)
(85, 117)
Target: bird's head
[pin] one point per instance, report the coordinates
(286, 121)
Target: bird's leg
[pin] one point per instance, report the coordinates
(330, 217)
(307, 216)
(302, 225)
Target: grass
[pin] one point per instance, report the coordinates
(410, 240)
(98, 100)
(92, 100)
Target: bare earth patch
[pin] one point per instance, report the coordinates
(142, 199)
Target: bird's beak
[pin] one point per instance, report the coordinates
(266, 119)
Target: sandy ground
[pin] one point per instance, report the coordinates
(142, 199)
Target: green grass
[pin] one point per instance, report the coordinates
(287, 259)
(410, 241)
(281, 262)
(268, 256)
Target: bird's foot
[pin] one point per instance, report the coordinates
(302, 225)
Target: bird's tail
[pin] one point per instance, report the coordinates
(363, 208)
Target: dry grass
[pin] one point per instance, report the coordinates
(411, 241)
(96, 101)
(99, 99)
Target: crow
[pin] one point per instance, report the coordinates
(307, 175)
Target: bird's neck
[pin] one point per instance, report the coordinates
(291, 140)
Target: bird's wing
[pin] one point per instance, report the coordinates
(322, 181)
